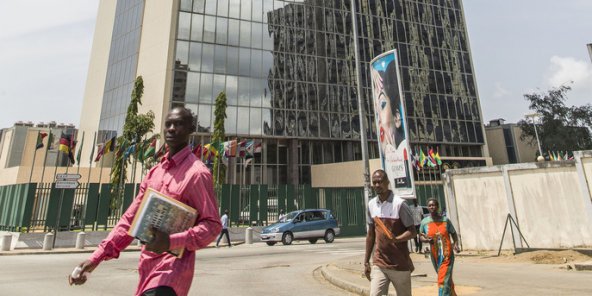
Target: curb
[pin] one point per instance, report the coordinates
(341, 283)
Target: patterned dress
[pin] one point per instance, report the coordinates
(441, 251)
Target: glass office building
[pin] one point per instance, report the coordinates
(288, 71)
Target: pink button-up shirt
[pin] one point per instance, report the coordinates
(186, 179)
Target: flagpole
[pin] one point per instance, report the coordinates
(34, 155)
(81, 146)
(49, 138)
(91, 158)
(363, 138)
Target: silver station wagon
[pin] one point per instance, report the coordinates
(309, 224)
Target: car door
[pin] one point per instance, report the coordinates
(317, 224)
(300, 226)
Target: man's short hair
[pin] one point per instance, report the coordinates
(187, 116)
(382, 172)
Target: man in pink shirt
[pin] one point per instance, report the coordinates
(182, 176)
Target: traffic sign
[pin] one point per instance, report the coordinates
(66, 184)
(64, 177)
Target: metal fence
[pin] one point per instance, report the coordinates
(41, 207)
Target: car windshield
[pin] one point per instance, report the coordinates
(291, 215)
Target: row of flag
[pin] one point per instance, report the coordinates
(419, 160)
(226, 150)
(65, 144)
(559, 155)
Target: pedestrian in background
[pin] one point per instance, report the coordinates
(438, 231)
(224, 221)
(181, 175)
(390, 226)
(417, 217)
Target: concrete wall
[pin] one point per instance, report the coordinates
(497, 144)
(549, 201)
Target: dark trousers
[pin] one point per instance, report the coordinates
(224, 231)
(417, 240)
(160, 291)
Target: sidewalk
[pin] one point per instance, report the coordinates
(348, 274)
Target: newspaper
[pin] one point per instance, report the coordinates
(164, 213)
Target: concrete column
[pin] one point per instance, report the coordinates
(249, 235)
(451, 206)
(47, 242)
(583, 180)
(80, 238)
(6, 242)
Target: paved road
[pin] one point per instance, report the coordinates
(241, 270)
(283, 270)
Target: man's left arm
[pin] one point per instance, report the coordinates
(208, 225)
(407, 220)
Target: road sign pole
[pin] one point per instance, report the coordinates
(55, 230)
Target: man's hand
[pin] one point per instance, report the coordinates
(87, 267)
(160, 242)
(367, 270)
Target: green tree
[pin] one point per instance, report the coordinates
(130, 143)
(560, 128)
(219, 171)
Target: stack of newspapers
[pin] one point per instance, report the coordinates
(163, 213)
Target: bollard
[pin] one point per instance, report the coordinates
(249, 235)
(80, 238)
(6, 242)
(47, 242)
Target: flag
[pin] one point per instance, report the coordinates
(566, 156)
(559, 157)
(248, 160)
(130, 150)
(50, 141)
(230, 148)
(197, 151)
(64, 143)
(40, 137)
(92, 151)
(161, 152)
(555, 156)
(106, 148)
(241, 148)
(151, 149)
(437, 158)
(71, 152)
(211, 149)
(249, 149)
(79, 154)
(258, 148)
(550, 155)
(422, 158)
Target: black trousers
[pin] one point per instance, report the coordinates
(417, 240)
(224, 231)
(160, 291)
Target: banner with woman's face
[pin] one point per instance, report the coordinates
(389, 111)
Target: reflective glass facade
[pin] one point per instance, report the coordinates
(123, 61)
(288, 71)
(287, 68)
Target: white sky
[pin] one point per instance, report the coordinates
(518, 46)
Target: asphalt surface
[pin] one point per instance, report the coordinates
(473, 274)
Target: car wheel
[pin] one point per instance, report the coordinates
(287, 238)
(313, 240)
(329, 236)
(270, 243)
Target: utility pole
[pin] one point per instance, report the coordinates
(534, 116)
(363, 137)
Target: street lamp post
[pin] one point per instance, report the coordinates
(533, 116)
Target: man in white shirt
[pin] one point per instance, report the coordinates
(390, 226)
(224, 221)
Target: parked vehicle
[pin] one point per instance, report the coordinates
(309, 224)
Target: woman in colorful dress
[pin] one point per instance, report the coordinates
(438, 231)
